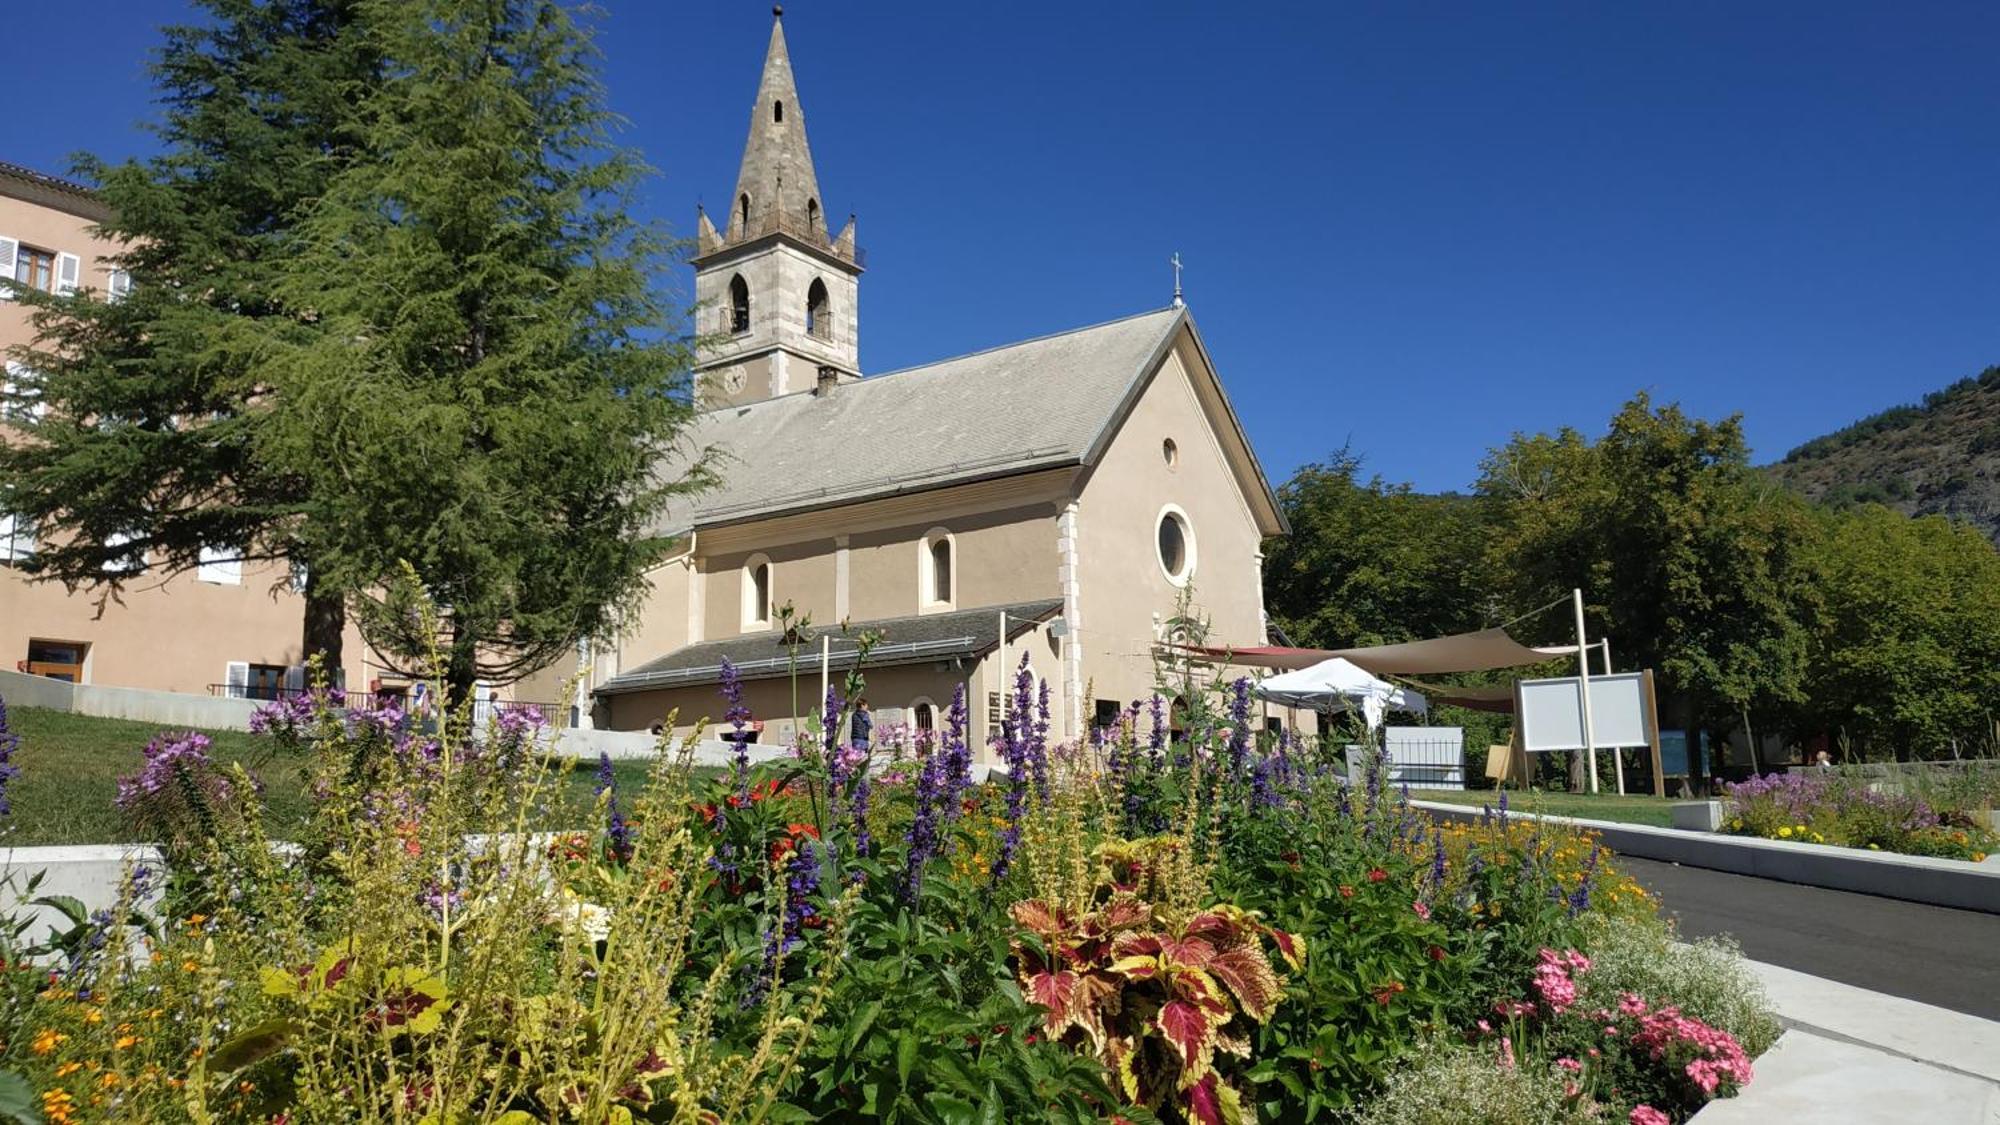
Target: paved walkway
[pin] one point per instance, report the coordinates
(1933, 954)
(1855, 1057)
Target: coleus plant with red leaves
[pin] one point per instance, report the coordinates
(1153, 996)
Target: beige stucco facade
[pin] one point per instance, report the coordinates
(177, 633)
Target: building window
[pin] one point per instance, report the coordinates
(757, 593)
(1171, 453)
(819, 321)
(1108, 713)
(117, 561)
(35, 268)
(923, 716)
(17, 539)
(937, 577)
(1176, 545)
(778, 112)
(118, 286)
(20, 400)
(739, 304)
(58, 660)
(812, 215)
(221, 566)
(743, 209)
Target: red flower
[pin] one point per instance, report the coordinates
(1437, 952)
(797, 830)
(1388, 992)
(1346, 891)
(1376, 875)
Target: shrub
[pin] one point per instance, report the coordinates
(1706, 978)
(1453, 1083)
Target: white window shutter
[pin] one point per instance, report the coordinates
(10, 258)
(236, 679)
(220, 566)
(118, 286)
(123, 565)
(69, 274)
(295, 679)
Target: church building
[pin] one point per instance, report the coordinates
(1074, 497)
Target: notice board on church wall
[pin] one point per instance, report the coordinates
(1552, 719)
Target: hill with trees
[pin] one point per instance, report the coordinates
(1940, 456)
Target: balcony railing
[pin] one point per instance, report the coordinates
(551, 714)
(808, 227)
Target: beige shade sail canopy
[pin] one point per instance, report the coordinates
(1460, 652)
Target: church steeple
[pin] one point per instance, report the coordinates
(777, 169)
(777, 290)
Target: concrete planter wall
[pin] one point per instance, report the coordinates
(1939, 882)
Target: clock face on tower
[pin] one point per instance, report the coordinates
(733, 380)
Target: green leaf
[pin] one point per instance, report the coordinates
(906, 1055)
(251, 1045)
(17, 1099)
(861, 1025)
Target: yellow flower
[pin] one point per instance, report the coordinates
(67, 1069)
(94, 1016)
(190, 966)
(46, 1041)
(1785, 832)
(1874, 847)
(109, 1080)
(124, 1041)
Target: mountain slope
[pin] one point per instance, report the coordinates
(1938, 456)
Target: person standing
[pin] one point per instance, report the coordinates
(862, 730)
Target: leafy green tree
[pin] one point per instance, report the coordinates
(482, 391)
(152, 408)
(1692, 565)
(1369, 562)
(1906, 639)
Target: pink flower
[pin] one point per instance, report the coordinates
(1632, 1004)
(1423, 911)
(1485, 1028)
(1570, 1065)
(1506, 1053)
(1647, 1115)
(1571, 1089)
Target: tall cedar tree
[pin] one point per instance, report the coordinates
(152, 408)
(486, 393)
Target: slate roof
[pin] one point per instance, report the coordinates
(54, 191)
(1037, 404)
(905, 640)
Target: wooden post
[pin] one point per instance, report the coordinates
(1653, 734)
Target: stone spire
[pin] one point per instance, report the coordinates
(777, 176)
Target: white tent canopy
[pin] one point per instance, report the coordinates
(1339, 685)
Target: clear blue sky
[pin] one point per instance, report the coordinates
(1421, 228)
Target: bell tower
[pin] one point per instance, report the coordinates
(776, 291)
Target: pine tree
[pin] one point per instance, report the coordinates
(486, 391)
(153, 408)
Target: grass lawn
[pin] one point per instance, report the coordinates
(70, 765)
(1632, 809)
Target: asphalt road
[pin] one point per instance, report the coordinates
(1932, 954)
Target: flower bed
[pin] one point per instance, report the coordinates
(1216, 929)
(1831, 807)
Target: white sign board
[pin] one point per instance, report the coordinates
(1551, 718)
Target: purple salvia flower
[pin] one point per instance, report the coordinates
(1579, 900)
(1239, 724)
(858, 808)
(9, 742)
(617, 833)
(1156, 742)
(738, 718)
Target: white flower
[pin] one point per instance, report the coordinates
(588, 919)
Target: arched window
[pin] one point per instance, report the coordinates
(812, 215)
(757, 593)
(743, 209)
(819, 318)
(937, 578)
(778, 111)
(923, 715)
(739, 304)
